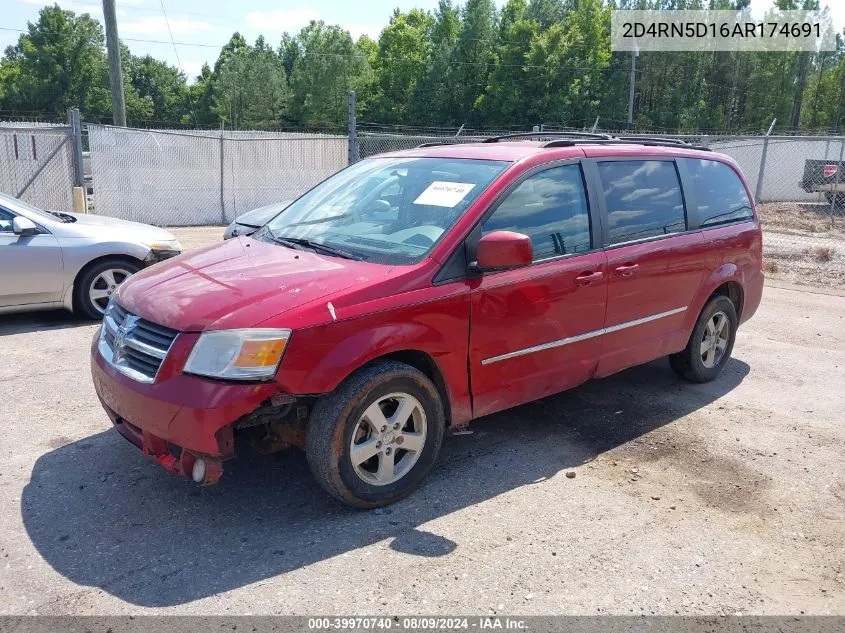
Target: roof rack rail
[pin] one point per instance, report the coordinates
(658, 139)
(587, 135)
(623, 141)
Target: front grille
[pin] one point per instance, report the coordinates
(132, 345)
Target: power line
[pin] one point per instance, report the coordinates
(491, 64)
(178, 61)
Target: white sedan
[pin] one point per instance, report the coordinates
(53, 259)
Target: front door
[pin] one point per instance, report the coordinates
(31, 267)
(535, 331)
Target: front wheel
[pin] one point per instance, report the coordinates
(95, 286)
(372, 440)
(710, 344)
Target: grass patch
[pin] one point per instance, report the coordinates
(822, 254)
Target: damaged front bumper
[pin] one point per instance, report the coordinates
(185, 423)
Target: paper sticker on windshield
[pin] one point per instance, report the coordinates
(444, 194)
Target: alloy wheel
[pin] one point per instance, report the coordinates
(388, 439)
(714, 340)
(104, 286)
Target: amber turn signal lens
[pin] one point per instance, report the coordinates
(260, 353)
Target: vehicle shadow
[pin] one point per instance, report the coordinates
(103, 516)
(26, 322)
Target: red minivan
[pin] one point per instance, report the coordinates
(415, 291)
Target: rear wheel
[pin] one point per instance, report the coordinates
(373, 439)
(96, 285)
(710, 344)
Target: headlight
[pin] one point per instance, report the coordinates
(252, 354)
(166, 245)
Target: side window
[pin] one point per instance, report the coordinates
(643, 199)
(549, 207)
(719, 193)
(5, 221)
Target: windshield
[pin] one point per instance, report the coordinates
(384, 210)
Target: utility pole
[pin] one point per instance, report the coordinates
(118, 104)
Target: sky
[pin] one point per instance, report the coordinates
(201, 27)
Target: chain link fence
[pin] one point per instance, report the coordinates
(37, 164)
(202, 177)
(190, 178)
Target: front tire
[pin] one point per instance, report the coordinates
(372, 440)
(96, 285)
(710, 344)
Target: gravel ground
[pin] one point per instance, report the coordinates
(721, 498)
(801, 245)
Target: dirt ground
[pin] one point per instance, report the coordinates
(721, 498)
(804, 243)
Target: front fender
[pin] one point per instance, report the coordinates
(319, 358)
(79, 253)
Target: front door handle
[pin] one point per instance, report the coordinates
(626, 270)
(585, 279)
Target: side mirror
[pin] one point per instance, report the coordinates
(500, 250)
(23, 226)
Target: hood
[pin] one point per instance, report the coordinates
(239, 283)
(262, 215)
(100, 226)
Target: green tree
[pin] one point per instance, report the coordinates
(327, 65)
(164, 86)
(251, 89)
(57, 64)
(507, 98)
(400, 63)
(202, 98)
(435, 99)
(473, 57)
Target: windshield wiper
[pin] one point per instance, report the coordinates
(321, 220)
(317, 246)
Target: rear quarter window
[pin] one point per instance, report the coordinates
(720, 196)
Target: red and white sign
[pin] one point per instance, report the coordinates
(829, 170)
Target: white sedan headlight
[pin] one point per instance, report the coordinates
(165, 245)
(251, 354)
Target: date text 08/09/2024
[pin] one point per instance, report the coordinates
(485, 623)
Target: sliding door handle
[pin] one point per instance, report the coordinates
(626, 270)
(585, 279)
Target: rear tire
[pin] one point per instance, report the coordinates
(710, 344)
(96, 284)
(360, 436)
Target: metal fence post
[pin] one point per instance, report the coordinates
(76, 131)
(353, 132)
(759, 191)
(835, 193)
(222, 198)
